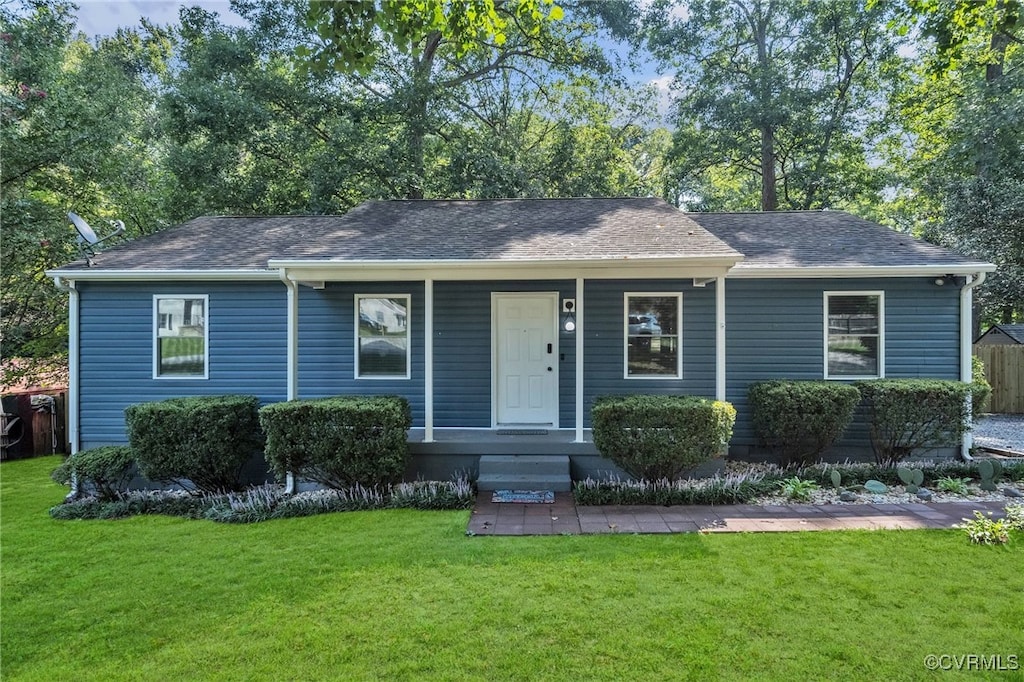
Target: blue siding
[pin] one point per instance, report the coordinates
(462, 352)
(327, 343)
(604, 341)
(775, 331)
(248, 337)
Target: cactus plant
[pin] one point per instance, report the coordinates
(912, 478)
(837, 480)
(989, 470)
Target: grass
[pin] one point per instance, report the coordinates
(402, 594)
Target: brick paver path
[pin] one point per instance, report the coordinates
(564, 517)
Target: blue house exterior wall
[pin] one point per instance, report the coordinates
(247, 349)
(775, 330)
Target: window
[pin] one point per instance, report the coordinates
(180, 348)
(855, 335)
(652, 324)
(382, 337)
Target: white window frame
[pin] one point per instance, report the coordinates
(155, 329)
(678, 295)
(408, 337)
(881, 336)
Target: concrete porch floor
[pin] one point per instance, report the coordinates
(564, 517)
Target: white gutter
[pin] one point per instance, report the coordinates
(966, 350)
(234, 275)
(292, 354)
(74, 374)
(750, 271)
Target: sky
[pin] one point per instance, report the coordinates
(103, 17)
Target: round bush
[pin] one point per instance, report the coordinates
(653, 437)
(799, 420)
(106, 470)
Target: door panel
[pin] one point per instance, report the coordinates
(526, 370)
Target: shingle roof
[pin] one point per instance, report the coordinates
(500, 229)
(1014, 331)
(804, 239)
(526, 230)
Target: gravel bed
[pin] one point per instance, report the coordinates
(895, 495)
(1000, 431)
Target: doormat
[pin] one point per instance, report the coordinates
(524, 496)
(522, 432)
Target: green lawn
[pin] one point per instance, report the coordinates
(403, 594)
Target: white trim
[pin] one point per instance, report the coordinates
(555, 334)
(678, 295)
(841, 271)
(719, 339)
(154, 323)
(233, 274)
(428, 361)
(881, 334)
(580, 312)
(408, 339)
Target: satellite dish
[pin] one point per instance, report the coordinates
(87, 239)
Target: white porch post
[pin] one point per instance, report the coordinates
(720, 338)
(580, 312)
(428, 361)
(292, 372)
(966, 349)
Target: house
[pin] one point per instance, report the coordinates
(502, 320)
(1002, 335)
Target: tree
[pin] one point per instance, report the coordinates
(75, 122)
(773, 98)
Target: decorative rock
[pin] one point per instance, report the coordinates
(876, 487)
(924, 494)
(1012, 492)
(847, 496)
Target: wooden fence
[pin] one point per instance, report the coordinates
(1004, 369)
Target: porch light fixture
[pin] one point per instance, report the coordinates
(569, 314)
(940, 281)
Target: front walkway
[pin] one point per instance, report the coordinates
(564, 517)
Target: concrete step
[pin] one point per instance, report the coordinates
(524, 472)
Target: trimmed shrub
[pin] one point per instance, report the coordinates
(339, 442)
(656, 436)
(913, 416)
(981, 390)
(107, 470)
(199, 443)
(799, 420)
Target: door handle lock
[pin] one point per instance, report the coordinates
(549, 349)
(550, 370)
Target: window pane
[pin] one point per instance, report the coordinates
(181, 336)
(652, 336)
(853, 336)
(383, 337)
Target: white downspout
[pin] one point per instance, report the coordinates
(966, 326)
(68, 285)
(292, 355)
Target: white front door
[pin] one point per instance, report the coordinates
(525, 358)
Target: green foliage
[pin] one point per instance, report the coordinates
(912, 478)
(731, 489)
(985, 530)
(981, 390)
(912, 416)
(1015, 516)
(799, 420)
(107, 470)
(654, 437)
(951, 484)
(135, 503)
(339, 442)
(797, 489)
(199, 442)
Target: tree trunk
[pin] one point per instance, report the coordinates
(769, 197)
(417, 112)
